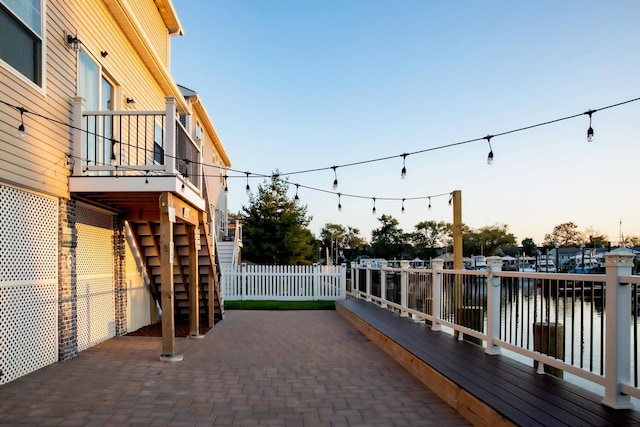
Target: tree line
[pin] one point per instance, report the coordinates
(275, 231)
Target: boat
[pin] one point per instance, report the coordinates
(545, 265)
(585, 264)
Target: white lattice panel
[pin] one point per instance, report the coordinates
(95, 283)
(28, 282)
(28, 236)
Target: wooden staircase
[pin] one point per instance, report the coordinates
(147, 237)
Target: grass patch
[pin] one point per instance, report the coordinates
(279, 305)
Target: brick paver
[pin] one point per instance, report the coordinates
(255, 368)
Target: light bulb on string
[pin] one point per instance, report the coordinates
(590, 133)
(146, 179)
(116, 172)
(339, 204)
(490, 155)
(21, 127)
(450, 198)
(373, 211)
(247, 189)
(335, 177)
(296, 199)
(402, 206)
(429, 203)
(403, 173)
(226, 188)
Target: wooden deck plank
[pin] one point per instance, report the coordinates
(511, 388)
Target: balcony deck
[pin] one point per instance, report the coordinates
(488, 390)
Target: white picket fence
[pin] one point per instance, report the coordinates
(283, 282)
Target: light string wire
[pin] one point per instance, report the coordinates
(245, 174)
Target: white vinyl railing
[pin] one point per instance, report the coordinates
(283, 282)
(583, 324)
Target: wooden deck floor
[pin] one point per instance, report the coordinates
(486, 390)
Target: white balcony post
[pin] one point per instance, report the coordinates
(79, 156)
(493, 305)
(404, 294)
(436, 292)
(383, 283)
(170, 137)
(617, 369)
(368, 282)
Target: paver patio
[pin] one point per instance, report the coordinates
(272, 368)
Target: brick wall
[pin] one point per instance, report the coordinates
(67, 319)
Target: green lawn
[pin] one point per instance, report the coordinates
(279, 305)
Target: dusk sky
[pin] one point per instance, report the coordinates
(299, 85)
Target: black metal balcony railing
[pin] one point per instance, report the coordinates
(132, 143)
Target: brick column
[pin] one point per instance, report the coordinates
(67, 296)
(119, 275)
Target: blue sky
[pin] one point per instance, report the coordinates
(297, 85)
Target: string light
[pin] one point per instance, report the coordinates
(429, 203)
(226, 188)
(339, 204)
(403, 173)
(373, 211)
(247, 189)
(116, 172)
(335, 178)
(590, 134)
(490, 155)
(450, 198)
(21, 127)
(402, 206)
(146, 180)
(296, 199)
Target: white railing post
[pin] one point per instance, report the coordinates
(383, 283)
(343, 281)
(316, 282)
(78, 156)
(617, 369)
(368, 282)
(493, 305)
(436, 293)
(353, 278)
(243, 283)
(404, 297)
(170, 136)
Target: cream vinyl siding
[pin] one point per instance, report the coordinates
(38, 161)
(153, 27)
(130, 75)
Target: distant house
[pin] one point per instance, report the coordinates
(111, 181)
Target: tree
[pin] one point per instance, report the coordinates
(275, 227)
(488, 240)
(348, 241)
(631, 241)
(429, 236)
(564, 235)
(529, 246)
(595, 238)
(388, 241)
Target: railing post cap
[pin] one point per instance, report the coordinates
(383, 263)
(620, 257)
(404, 263)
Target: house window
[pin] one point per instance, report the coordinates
(199, 134)
(98, 92)
(158, 150)
(21, 22)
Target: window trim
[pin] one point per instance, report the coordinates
(42, 54)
